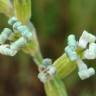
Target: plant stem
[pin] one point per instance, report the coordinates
(55, 87)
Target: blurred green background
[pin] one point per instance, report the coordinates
(54, 21)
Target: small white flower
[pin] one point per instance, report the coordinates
(51, 70)
(42, 77)
(71, 53)
(25, 32)
(17, 26)
(5, 50)
(18, 44)
(72, 43)
(84, 74)
(85, 39)
(70, 50)
(47, 74)
(91, 52)
(5, 35)
(12, 20)
(47, 70)
(84, 71)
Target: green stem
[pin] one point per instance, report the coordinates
(55, 87)
(34, 47)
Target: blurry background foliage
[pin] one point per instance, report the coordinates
(54, 20)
